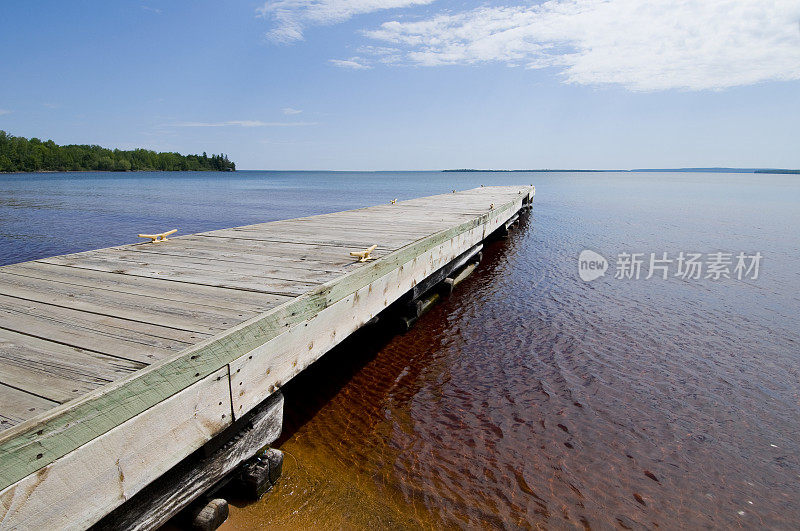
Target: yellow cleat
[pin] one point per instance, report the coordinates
(364, 256)
(160, 237)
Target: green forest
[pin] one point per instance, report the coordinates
(19, 154)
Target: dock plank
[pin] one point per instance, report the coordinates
(163, 312)
(297, 239)
(218, 261)
(156, 288)
(54, 371)
(207, 275)
(17, 406)
(126, 339)
(284, 256)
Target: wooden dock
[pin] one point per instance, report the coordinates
(116, 364)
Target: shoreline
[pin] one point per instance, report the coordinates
(109, 171)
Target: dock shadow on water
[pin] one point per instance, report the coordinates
(528, 400)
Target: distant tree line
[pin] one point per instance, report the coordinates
(21, 154)
(791, 172)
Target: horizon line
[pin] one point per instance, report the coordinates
(699, 169)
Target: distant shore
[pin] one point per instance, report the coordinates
(31, 155)
(642, 170)
(106, 171)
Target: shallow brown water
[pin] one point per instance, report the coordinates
(532, 399)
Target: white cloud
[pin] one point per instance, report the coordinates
(3, 111)
(640, 44)
(291, 17)
(242, 123)
(155, 10)
(290, 111)
(354, 63)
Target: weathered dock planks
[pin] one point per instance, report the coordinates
(125, 360)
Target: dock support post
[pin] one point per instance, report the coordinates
(429, 291)
(449, 283)
(206, 515)
(259, 474)
(433, 280)
(502, 232)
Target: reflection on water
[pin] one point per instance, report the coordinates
(529, 398)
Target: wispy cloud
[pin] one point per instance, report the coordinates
(354, 63)
(291, 17)
(4, 111)
(270, 142)
(640, 44)
(155, 10)
(289, 111)
(242, 123)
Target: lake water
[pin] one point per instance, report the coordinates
(529, 397)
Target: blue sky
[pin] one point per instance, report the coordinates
(412, 84)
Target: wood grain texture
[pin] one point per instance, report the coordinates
(17, 405)
(57, 372)
(153, 288)
(117, 337)
(193, 273)
(180, 315)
